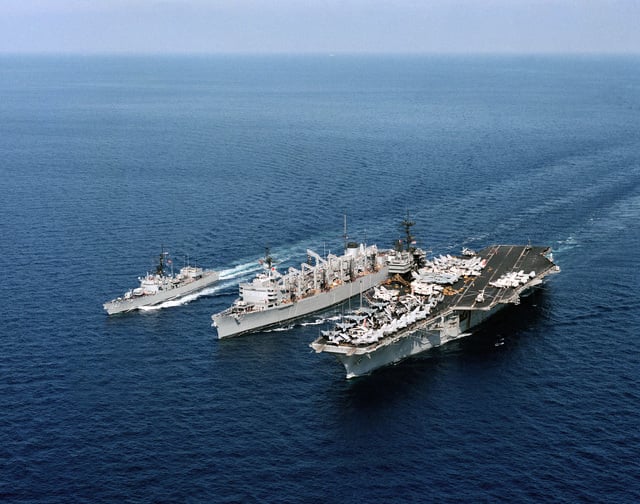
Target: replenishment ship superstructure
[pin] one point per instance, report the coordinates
(273, 298)
(161, 286)
(444, 300)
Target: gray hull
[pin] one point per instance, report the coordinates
(412, 341)
(229, 325)
(469, 302)
(135, 303)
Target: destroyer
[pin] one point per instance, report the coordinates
(160, 287)
(443, 302)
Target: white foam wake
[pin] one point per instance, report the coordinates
(314, 322)
(241, 270)
(564, 245)
(228, 278)
(231, 276)
(185, 299)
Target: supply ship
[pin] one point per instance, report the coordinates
(439, 303)
(158, 287)
(273, 298)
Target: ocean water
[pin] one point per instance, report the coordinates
(105, 159)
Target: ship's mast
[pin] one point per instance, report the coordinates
(268, 260)
(407, 224)
(344, 235)
(160, 267)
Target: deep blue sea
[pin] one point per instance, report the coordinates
(103, 160)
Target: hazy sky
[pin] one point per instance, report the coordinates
(325, 26)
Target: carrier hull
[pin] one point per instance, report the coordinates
(411, 342)
(470, 301)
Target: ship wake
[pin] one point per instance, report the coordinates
(228, 278)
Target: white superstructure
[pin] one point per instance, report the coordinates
(158, 287)
(273, 297)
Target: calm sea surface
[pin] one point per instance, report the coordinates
(105, 159)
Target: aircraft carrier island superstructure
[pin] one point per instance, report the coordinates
(439, 303)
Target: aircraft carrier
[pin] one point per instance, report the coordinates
(441, 302)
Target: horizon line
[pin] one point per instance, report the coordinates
(320, 53)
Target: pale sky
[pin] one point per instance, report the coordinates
(320, 26)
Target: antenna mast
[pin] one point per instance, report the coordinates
(407, 224)
(268, 259)
(160, 267)
(345, 233)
